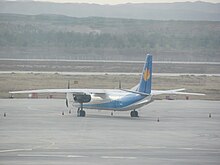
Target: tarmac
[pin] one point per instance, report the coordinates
(34, 131)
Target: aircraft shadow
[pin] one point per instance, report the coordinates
(117, 117)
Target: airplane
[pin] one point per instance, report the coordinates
(113, 99)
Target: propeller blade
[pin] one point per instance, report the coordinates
(67, 103)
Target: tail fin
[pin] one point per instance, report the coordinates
(145, 82)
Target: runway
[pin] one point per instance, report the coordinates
(111, 61)
(36, 132)
(93, 66)
(108, 73)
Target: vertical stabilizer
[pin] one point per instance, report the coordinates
(145, 82)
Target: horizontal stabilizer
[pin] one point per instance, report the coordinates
(175, 92)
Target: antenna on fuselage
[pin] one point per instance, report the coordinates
(119, 84)
(67, 100)
(68, 85)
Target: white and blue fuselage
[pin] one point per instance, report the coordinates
(117, 100)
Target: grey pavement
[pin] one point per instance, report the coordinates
(36, 132)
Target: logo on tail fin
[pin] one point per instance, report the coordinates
(146, 75)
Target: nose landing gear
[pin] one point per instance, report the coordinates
(81, 112)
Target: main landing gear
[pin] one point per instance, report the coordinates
(81, 112)
(82, 98)
(134, 113)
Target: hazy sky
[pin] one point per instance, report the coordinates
(126, 1)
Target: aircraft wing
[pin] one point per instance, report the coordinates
(73, 91)
(174, 92)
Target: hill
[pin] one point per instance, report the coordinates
(153, 11)
(57, 36)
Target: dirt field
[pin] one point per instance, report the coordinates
(18, 81)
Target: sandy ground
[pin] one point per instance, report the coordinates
(18, 81)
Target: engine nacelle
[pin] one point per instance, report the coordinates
(82, 98)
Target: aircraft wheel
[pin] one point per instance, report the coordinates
(82, 113)
(134, 113)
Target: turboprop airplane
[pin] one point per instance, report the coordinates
(113, 99)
